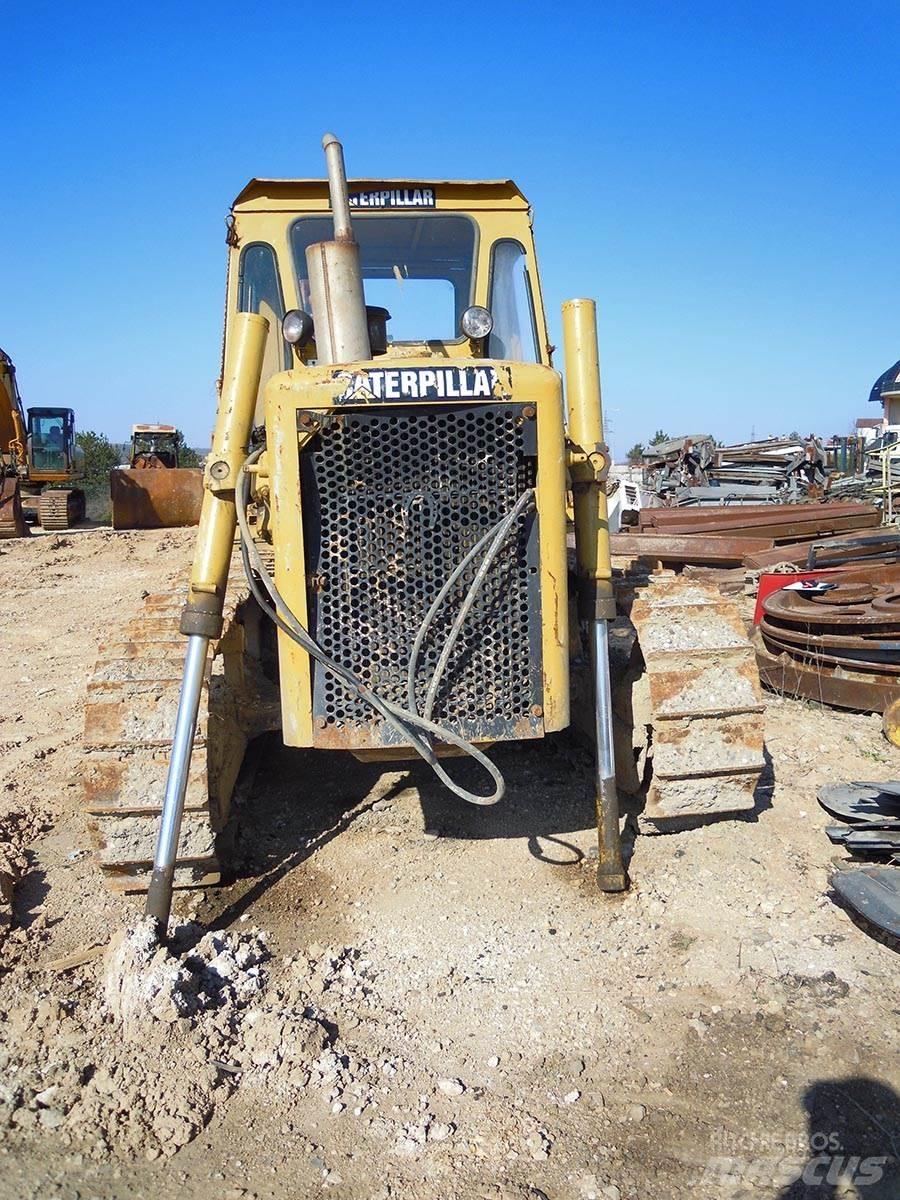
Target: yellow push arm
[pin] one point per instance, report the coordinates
(234, 422)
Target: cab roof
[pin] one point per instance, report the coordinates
(311, 195)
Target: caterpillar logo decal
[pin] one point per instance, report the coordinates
(416, 383)
(394, 197)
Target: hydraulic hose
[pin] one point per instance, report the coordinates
(496, 537)
(417, 730)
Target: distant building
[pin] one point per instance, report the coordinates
(886, 392)
(869, 427)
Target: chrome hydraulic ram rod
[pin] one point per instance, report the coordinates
(588, 461)
(611, 869)
(159, 896)
(201, 619)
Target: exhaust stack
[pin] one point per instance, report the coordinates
(335, 276)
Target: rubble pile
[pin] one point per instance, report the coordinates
(140, 1066)
(18, 828)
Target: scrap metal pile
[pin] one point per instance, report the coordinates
(753, 536)
(746, 473)
(756, 464)
(868, 881)
(838, 644)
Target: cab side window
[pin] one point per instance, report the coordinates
(514, 336)
(259, 291)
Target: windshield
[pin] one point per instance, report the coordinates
(418, 268)
(157, 445)
(48, 441)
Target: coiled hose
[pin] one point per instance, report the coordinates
(413, 728)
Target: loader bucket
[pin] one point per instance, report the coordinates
(12, 519)
(161, 498)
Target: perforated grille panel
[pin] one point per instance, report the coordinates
(393, 499)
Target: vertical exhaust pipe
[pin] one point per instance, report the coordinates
(335, 276)
(588, 464)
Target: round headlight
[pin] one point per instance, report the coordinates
(477, 322)
(296, 327)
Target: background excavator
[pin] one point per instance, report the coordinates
(393, 445)
(154, 491)
(39, 461)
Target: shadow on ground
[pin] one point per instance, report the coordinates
(853, 1142)
(289, 803)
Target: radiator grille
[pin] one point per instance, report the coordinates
(393, 498)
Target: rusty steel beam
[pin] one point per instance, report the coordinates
(711, 518)
(786, 531)
(798, 553)
(690, 548)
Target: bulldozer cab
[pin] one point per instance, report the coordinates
(430, 251)
(154, 446)
(52, 454)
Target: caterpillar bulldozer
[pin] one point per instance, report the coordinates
(393, 450)
(39, 460)
(154, 491)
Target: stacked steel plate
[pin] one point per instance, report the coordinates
(841, 646)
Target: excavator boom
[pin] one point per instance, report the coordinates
(12, 451)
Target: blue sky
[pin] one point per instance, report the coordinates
(723, 178)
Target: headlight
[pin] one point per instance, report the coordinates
(296, 327)
(477, 322)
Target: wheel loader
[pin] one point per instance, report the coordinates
(154, 491)
(393, 450)
(38, 460)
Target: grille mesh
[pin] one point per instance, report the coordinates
(393, 498)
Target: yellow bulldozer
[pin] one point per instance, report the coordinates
(39, 461)
(154, 491)
(393, 449)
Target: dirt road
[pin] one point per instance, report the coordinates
(406, 997)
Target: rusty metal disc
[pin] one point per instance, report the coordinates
(888, 603)
(847, 593)
(797, 608)
(882, 654)
(835, 685)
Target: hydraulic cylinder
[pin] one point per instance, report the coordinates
(588, 460)
(201, 619)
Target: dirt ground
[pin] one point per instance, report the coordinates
(405, 997)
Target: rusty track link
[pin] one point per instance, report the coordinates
(702, 700)
(60, 508)
(129, 717)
